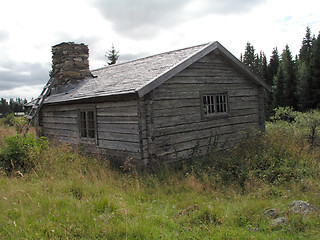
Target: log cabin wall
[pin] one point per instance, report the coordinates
(117, 128)
(176, 127)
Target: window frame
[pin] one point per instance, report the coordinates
(215, 112)
(89, 114)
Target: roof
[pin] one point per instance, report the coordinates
(143, 75)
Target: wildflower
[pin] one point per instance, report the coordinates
(39, 220)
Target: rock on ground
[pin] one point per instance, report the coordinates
(302, 207)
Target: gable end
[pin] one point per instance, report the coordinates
(214, 46)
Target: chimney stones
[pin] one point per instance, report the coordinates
(70, 62)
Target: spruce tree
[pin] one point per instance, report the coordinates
(273, 66)
(315, 74)
(272, 70)
(304, 93)
(249, 57)
(306, 48)
(304, 72)
(278, 88)
(112, 55)
(263, 66)
(290, 82)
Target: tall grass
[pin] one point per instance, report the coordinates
(67, 195)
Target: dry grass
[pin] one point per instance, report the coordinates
(70, 196)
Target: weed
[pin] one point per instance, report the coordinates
(21, 152)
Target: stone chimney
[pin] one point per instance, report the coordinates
(70, 62)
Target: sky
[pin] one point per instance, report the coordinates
(139, 28)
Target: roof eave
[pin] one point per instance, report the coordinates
(94, 99)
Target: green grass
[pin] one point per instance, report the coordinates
(92, 208)
(70, 196)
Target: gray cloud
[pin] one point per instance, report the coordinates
(144, 18)
(14, 75)
(140, 18)
(3, 36)
(230, 6)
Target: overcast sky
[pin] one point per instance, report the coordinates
(138, 28)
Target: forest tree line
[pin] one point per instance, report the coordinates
(295, 80)
(12, 106)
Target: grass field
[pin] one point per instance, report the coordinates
(65, 195)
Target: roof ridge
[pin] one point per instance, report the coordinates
(154, 55)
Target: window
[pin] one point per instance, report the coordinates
(214, 104)
(87, 124)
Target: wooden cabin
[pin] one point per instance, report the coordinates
(155, 109)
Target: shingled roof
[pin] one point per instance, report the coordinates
(142, 75)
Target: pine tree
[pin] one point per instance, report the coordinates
(304, 72)
(249, 56)
(272, 69)
(315, 74)
(273, 66)
(112, 55)
(278, 88)
(304, 86)
(263, 66)
(290, 82)
(306, 48)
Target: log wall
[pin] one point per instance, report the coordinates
(117, 127)
(176, 127)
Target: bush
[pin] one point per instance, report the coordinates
(301, 125)
(309, 124)
(20, 152)
(273, 157)
(19, 123)
(286, 114)
(8, 120)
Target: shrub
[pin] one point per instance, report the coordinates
(309, 124)
(8, 120)
(20, 152)
(286, 114)
(19, 123)
(298, 124)
(272, 157)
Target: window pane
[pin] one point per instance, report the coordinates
(83, 124)
(213, 104)
(87, 124)
(205, 105)
(221, 103)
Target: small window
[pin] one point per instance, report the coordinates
(87, 124)
(214, 104)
